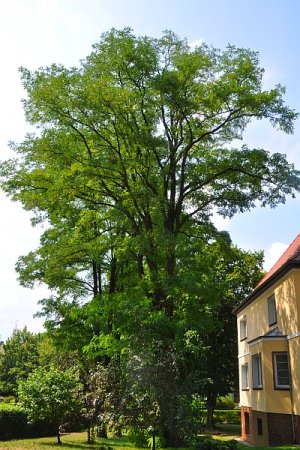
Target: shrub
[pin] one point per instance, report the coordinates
(225, 403)
(14, 424)
(227, 416)
(144, 438)
(9, 399)
(213, 444)
(138, 436)
(220, 416)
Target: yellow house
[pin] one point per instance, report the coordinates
(269, 355)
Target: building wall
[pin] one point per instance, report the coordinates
(280, 429)
(294, 351)
(253, 437)
(277, 400)
(287, 293)
(275, 409)
(276, 429)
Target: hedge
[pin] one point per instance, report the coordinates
(14, 425)
(227, 416)
(13, 422)
(222, 416)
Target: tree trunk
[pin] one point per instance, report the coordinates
(101, 431)
(153, 439)
(58, 436)
(173, 438)
(89, 435)
(211, 405)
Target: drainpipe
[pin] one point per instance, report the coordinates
(291, 391)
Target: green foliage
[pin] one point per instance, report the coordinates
(14, 424)
(134, 151)
(214, 444)
(232, 416)
(50, 394)
(19, 358)
(8, 399)
(225, 403)
(227, 416)
(138, 436)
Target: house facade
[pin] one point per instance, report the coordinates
(269, 355)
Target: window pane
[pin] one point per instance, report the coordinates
(245, 377)
(281, 368)
(272, 310)
(256, 371)
(243, 328)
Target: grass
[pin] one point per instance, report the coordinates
(79, 441)
(69, 441)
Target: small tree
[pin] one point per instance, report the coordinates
(19, 357)
(50, 394)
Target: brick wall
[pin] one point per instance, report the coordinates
(297, 428)
(263, 439)
(280, 428)
(246, 436)
(275, 429)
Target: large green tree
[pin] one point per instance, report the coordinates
(229, 276)
(134, 151)
(20, 356)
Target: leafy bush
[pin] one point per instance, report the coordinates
(220, 416)
(138, 436)
(14, 424)
(225, 403)
(144, 438)
(227, 416)
(213, 444)
(9, 399)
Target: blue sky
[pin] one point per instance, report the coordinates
(36, 33)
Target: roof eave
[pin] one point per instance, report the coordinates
(268, 283)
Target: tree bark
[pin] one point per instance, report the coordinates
(58, 437)
(211, 405)
(173, 438)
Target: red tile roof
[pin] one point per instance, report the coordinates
(292, 254)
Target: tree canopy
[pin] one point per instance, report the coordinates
(134, 151)
(50, 394)
(19, 357)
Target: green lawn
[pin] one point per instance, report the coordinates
(69, 441)
(78, 441)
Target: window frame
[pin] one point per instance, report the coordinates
(243, 328)
(245, 377)
(277, 386)
(272, 311)
(259, 375)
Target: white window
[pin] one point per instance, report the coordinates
(256, 372)
(243, 328)
(281, 370)
(272, 310)
(245, 377)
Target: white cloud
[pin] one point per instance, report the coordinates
(196, 43)
(273, 254)
(220, 222)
